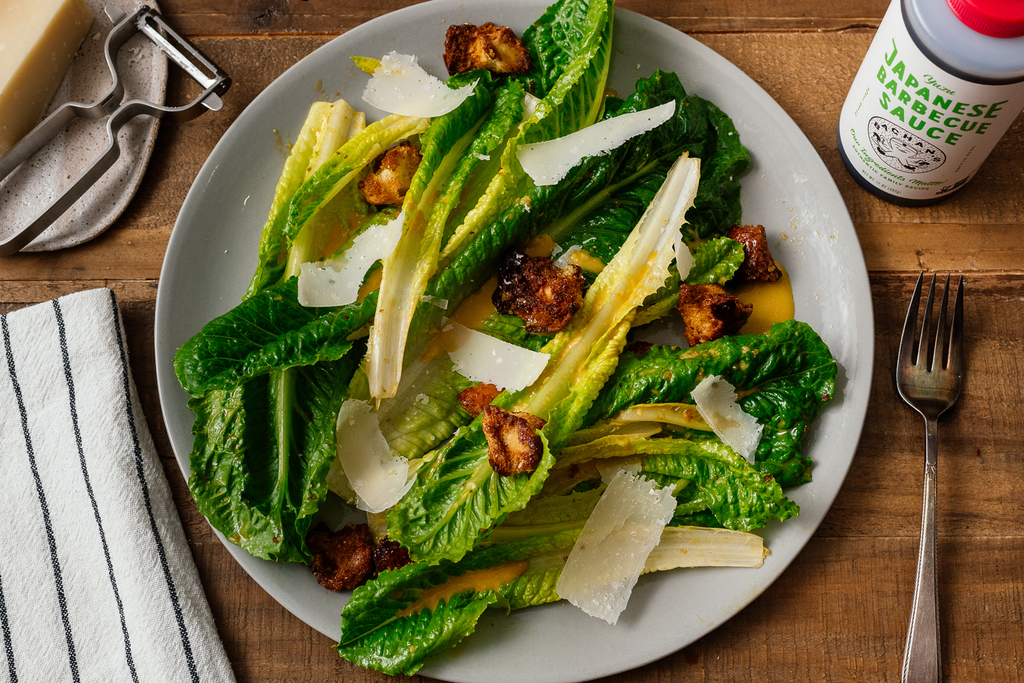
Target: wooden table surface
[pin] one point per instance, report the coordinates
(839, 613)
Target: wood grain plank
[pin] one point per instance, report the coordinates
(942, 246)
(282, 17)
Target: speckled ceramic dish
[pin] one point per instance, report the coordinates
(43, 177)
(212, 254)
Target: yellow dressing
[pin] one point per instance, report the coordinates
(478, 580)
(477, 307)
(372, 284)
(471, 313)
(585, 261)
(541, 245)
(773, 302)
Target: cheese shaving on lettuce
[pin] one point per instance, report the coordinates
(612, 549)
(336, 282)
(482, 358)
(715, 399)
(378, 478)
(401, 86)
(548, 162)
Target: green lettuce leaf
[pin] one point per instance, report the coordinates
(784, 376)
(572, 102)
(447, 159)
(386, 627)
(259, 497)
(268, 331)
(326, 128)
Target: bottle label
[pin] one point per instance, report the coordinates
(913, 130)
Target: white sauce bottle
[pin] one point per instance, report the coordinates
(941, 83)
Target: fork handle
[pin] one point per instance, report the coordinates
(922, 658)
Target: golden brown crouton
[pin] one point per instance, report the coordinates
(392, 172)
(513, 446)
(709, 312)
(476, 397)
(758, 263)
(534, 289)
(342, 559)
(389, 555)
(495, 48)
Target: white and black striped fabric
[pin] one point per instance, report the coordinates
(96, 579)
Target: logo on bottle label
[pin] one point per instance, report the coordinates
(901, 150)
(910, 128)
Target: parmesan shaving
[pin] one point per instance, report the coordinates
(613, 546)
(482, 358)
(548, 162)
(610, 470)
(336, 282)
(401, 86)
(716, 402)
(378, 478)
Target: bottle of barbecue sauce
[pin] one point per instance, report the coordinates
(941, 83)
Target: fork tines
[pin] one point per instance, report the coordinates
(943, 355)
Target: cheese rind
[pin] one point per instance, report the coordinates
(38, 40)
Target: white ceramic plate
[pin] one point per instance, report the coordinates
(212, 253)
(49, 172)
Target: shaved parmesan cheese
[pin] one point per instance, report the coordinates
(401, 86)
(610, 470)
(435, 301)
(548, 162)
(336, 282)
(716, 403)
(378, 478)
(684, 258)
(612, 549)
(482, 358)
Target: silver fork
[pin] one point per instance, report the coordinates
(928, 376)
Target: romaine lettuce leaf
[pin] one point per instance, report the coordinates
(259, 497)
(268, 331)
(326, 128)
(785, 376)
(572, 102)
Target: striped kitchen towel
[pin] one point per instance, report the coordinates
(96, 579)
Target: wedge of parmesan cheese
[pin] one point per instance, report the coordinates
(716, 402)
(482, 358)
(613, 547)
(336, 282)
(38, 41)
(548, 162)
(378, 478)
(401, 86)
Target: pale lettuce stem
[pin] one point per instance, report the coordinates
(283, 384)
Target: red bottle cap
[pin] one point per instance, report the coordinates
(997, 18)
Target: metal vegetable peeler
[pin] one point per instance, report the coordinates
(147, 21)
